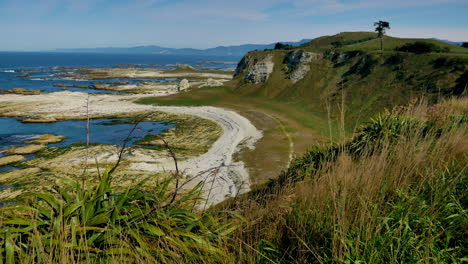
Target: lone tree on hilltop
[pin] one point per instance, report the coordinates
(380, 28)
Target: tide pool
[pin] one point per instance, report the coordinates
(111, 131)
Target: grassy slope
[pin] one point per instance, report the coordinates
(391, 43)
(394, 194)
(280, 121)
(369, 41)
(326, 41)
(371, 81)
(390, 206)
(303, 111)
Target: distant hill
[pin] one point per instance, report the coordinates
(448, 41)
(218, 51)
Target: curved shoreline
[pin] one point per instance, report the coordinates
(223, 177)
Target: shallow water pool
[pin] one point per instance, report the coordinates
(103, 131)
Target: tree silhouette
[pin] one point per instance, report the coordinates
(380, 28)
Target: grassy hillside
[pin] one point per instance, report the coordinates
(345, 87)
(348, 41)
(358, 75)
(394, 193)
(344, 38)
(382, 178)
(391, 43)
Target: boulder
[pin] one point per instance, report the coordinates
(183, 84)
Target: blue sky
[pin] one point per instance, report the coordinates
(48, 24)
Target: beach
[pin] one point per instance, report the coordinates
(222, 176)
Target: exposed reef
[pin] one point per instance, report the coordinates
(11, 159)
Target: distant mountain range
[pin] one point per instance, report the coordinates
(239, 50)
(218, 51)
(448, 41)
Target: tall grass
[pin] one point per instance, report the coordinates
(395, 194)
(97, 224)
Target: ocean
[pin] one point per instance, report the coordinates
(28, 60)
(42, 68)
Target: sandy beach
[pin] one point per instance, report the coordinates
(223, 177)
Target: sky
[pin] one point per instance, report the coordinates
(29, 25)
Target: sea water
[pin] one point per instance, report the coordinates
(44, 68)
(112, 131)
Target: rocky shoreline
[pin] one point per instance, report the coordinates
(235, 132)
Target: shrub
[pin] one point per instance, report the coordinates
(395, 59)
(422, 47)
(281, 46)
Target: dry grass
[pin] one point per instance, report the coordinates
(401, 199)
(386, 206)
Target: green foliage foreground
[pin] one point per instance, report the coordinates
(394, 193)
(97, 224)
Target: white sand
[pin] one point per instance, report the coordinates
(223, 177)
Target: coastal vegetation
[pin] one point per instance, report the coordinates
(394, 192)
(362, 160)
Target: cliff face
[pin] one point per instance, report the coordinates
(371, 81)
(298, 62)
(258, 70)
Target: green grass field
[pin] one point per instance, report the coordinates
(392, 43)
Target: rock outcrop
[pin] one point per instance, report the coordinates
(184, 84)
(21, 91)
(184, 67)
(256, 67)
(25, 75)
(298, 62)
(212, 82)
(11, 159)
(243, 65)
(28, 149)
(260, 70)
